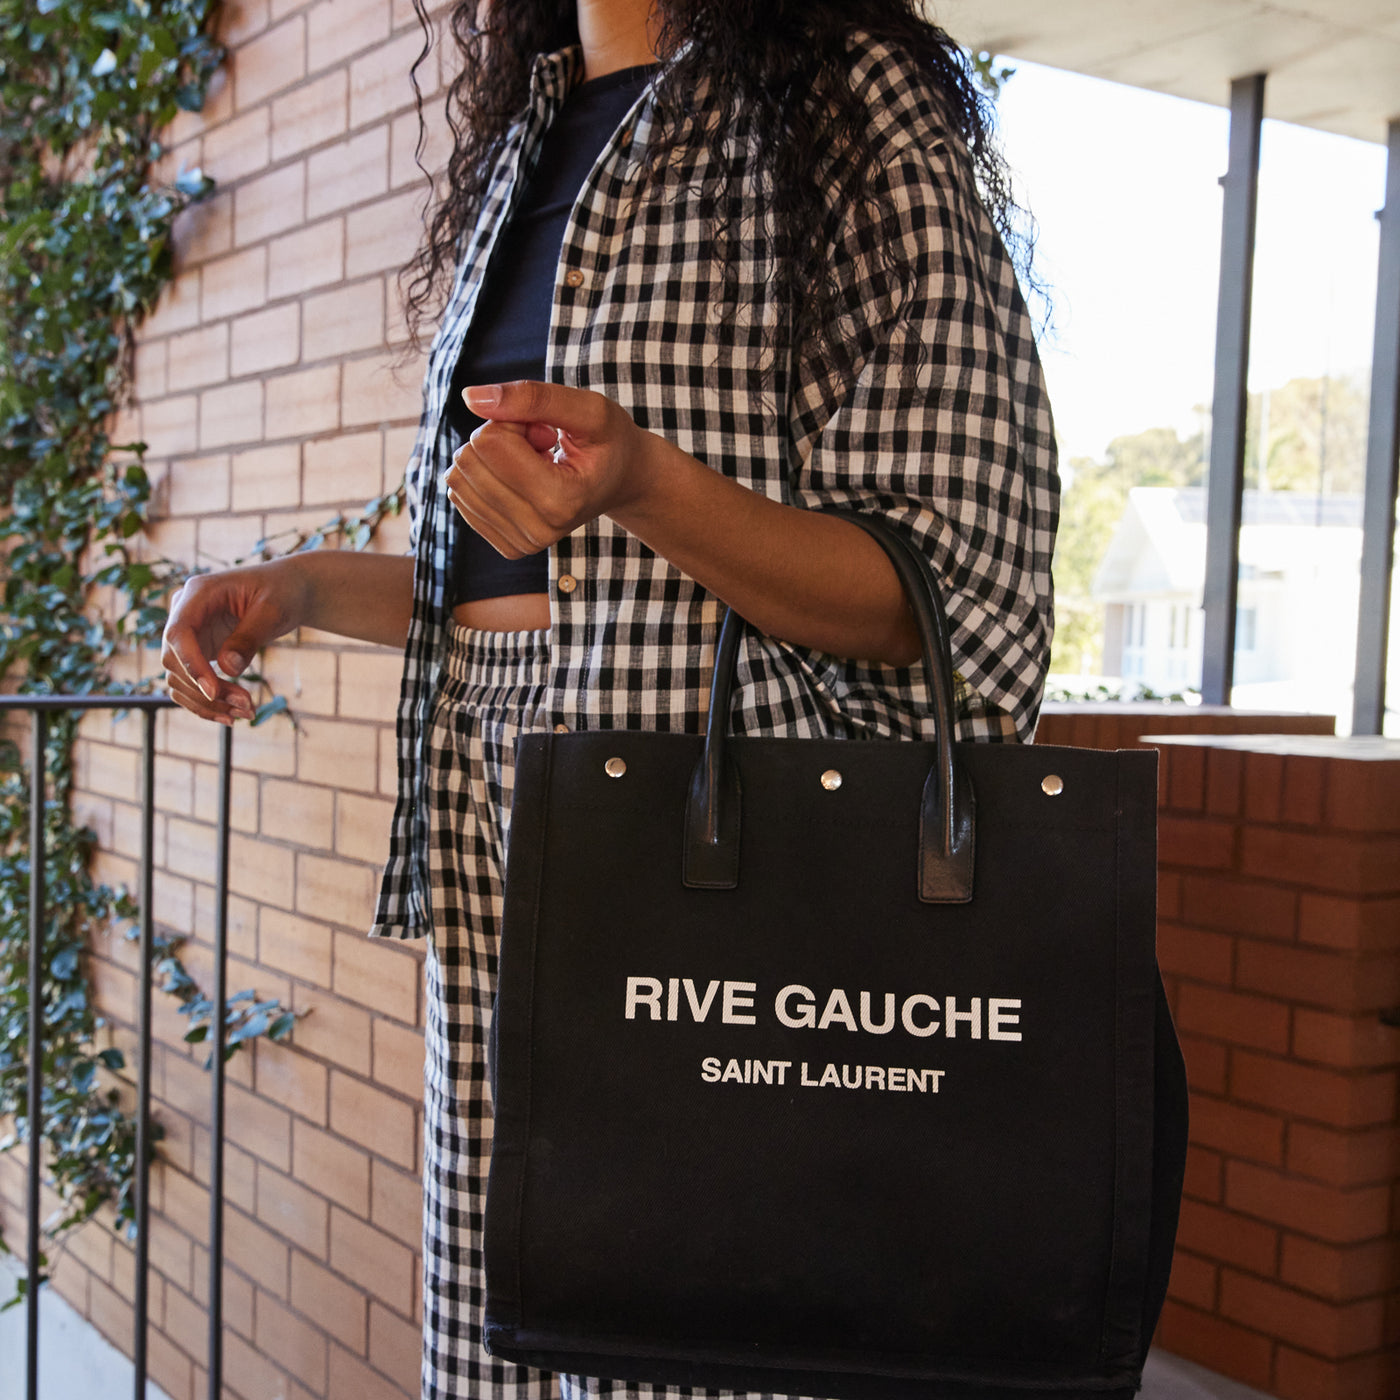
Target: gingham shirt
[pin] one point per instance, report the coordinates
(944, 428)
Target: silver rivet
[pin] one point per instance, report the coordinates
(831, 780)
(1053, 785)
(614, 767)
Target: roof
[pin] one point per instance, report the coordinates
(1332, 64)
(1298, 509)
(1159, 545)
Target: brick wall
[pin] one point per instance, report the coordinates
(1279, 938)
(1122, 726)
(267, 396)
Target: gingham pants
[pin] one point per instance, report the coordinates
(492, 690)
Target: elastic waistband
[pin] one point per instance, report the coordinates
(478, 659)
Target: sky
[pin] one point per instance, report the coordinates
(1124, 187)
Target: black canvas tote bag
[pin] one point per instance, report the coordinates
(833, 1068)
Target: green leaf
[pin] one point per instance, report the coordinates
(246, 1030)
(193, 182)
(276, 706)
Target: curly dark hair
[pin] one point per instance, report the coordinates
(786, 66)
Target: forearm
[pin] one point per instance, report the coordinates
(551, 457)
(795, 574)
(367, 597)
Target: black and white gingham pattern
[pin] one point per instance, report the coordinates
(489, 693)
(493, 688)
(945, 430)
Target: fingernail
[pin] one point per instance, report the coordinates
(211, 691)
(233, 663)
(482, 395)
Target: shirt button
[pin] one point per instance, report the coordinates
(574, 277)
(567, 583)
(561, 728)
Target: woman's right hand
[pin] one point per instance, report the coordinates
(227, 618)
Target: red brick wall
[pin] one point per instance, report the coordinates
(1279, 938)
(1122, 726)
(266, 393)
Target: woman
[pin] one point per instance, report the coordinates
(748, 275)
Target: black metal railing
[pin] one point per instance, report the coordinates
(40, 707)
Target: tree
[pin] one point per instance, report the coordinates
(1314, 433)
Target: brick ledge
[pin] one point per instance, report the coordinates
(1365, 747)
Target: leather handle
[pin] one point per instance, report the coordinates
(714, 801)
(947, 815)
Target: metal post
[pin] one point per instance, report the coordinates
(1225, 488)
(143, 1060)
(218, 997)
(39, 707)
(1382, 450)
(35, 1103)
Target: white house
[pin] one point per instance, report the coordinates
(1295, 636)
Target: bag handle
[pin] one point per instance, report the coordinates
(947, 816)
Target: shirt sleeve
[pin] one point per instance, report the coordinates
(943, 428)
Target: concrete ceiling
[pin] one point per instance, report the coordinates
(1332, 64)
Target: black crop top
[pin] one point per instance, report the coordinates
(510, 328)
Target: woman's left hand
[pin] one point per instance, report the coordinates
(548, 459)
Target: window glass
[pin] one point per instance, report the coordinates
(1125, 187)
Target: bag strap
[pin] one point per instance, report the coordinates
(947, 814)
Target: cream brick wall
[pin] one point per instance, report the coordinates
(266, 395)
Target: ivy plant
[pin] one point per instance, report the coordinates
(86, 89)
